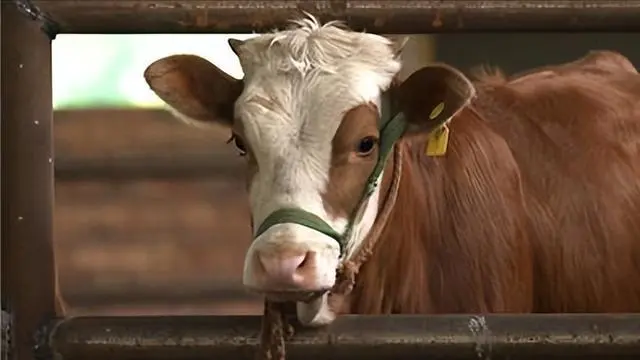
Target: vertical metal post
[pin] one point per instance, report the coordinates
(27, 179)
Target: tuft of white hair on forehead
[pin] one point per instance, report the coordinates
(309, 45)
(313, 45)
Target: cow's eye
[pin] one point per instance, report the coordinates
(366, 145)
(237, 141)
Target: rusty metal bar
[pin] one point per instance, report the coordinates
(367, 337)
(6, 335)
(390, 16)
(27, 180)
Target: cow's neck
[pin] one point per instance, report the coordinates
(394, 279)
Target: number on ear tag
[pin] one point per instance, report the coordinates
(438, 141)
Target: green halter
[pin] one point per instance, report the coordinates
(391, 126)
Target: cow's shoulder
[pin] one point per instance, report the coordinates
(596, 62)
(601, 60)
(594, 92)
(574, 131)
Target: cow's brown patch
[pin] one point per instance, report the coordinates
(349, 169)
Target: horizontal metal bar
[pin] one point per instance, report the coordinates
(564, 336)
(390, 16)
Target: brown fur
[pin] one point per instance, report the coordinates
(535, 207)
(349, 171)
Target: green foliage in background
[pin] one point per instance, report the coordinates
(93, 78)
(107, 70)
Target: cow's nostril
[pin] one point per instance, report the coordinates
(305, 260)
(298, 274)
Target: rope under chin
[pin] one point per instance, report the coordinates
(276, 329)
(274, 332)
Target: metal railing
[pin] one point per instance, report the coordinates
(27, 193)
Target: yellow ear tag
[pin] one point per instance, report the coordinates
(438, 141)
(436, 111)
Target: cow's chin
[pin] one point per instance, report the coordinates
(293, 295)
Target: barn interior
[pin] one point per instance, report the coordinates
(150, 217)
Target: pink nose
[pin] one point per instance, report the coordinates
(289, 271)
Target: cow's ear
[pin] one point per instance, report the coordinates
(432, 95)
(194, 88)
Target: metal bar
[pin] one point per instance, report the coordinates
(367, 337)
(27, 180)
(6, 335)
(146, 167)
(390, 16)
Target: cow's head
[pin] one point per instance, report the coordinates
(306, 117)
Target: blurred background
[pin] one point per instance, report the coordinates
(151, 215)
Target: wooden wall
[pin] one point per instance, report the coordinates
(517, 51)
(157, 236)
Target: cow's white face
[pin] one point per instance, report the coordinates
(298, 87)
(305, 117)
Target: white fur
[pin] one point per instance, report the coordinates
(298, 85)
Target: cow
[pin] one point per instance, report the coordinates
(442, 193)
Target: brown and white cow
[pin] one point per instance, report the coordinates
(533, 207)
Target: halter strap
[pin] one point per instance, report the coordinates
(391, 126)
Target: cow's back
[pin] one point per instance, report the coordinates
(574, 131)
